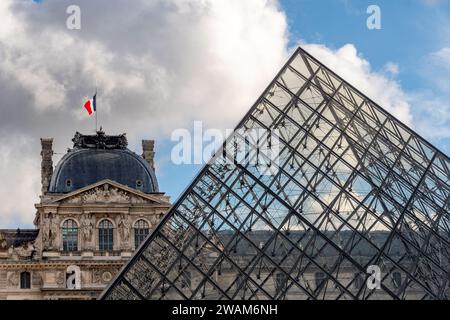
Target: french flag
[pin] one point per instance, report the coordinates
(91, 105)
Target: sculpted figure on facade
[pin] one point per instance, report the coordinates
(118, 196)
(154, 221)
(24, 251)
(92, 196)
(124, 230)
(105, 194)
(50, 231)
(37, 278)
(44, 232)
(60, 275)
(3, 243)
(96, 275)
(87, 230)
(13, 279)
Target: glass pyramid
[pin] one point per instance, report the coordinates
(331, 198)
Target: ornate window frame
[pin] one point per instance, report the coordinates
(25, 280)
(136, 221)
(114, 235)
(61, 227)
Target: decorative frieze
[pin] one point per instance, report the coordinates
(36, 279)
(106, 194)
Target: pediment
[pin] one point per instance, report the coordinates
(108, 192)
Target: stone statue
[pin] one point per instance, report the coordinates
(3, 242)
(124, 229)
(154, 221)
(100, 141)
(87, 227)
(53, 232)
(105, 194)
(24, 251)
(50, 231)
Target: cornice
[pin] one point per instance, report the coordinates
(58, 264)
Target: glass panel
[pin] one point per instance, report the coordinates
(352, 188)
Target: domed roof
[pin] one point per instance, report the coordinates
(100, 157)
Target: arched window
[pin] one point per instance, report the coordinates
(25, 280)
(141, 230)
(70, 235)
(105, 235)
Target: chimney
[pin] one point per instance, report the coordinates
(148, 148)
(46, 163)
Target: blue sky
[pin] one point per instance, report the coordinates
(411, 30)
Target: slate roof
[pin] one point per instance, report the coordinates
(18, 237)
(102, 157)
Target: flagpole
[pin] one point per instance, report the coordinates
(96, 109)
(96, 121)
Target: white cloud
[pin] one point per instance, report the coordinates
(442, 56)
(19, 181)
(159, 65)
(433, 115)
(391, 68)
(432, 105)
(438, 68)
(351, 66)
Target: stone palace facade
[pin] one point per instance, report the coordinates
(97, 206)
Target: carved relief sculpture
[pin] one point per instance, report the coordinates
(106, 194)
(24, 251)
(37, 278)
(60, 275)
(96, 276)
(102, 276)
(13, 279)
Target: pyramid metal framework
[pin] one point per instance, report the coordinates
(358, 207)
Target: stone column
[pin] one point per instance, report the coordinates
(46, 163)
(148, 148)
